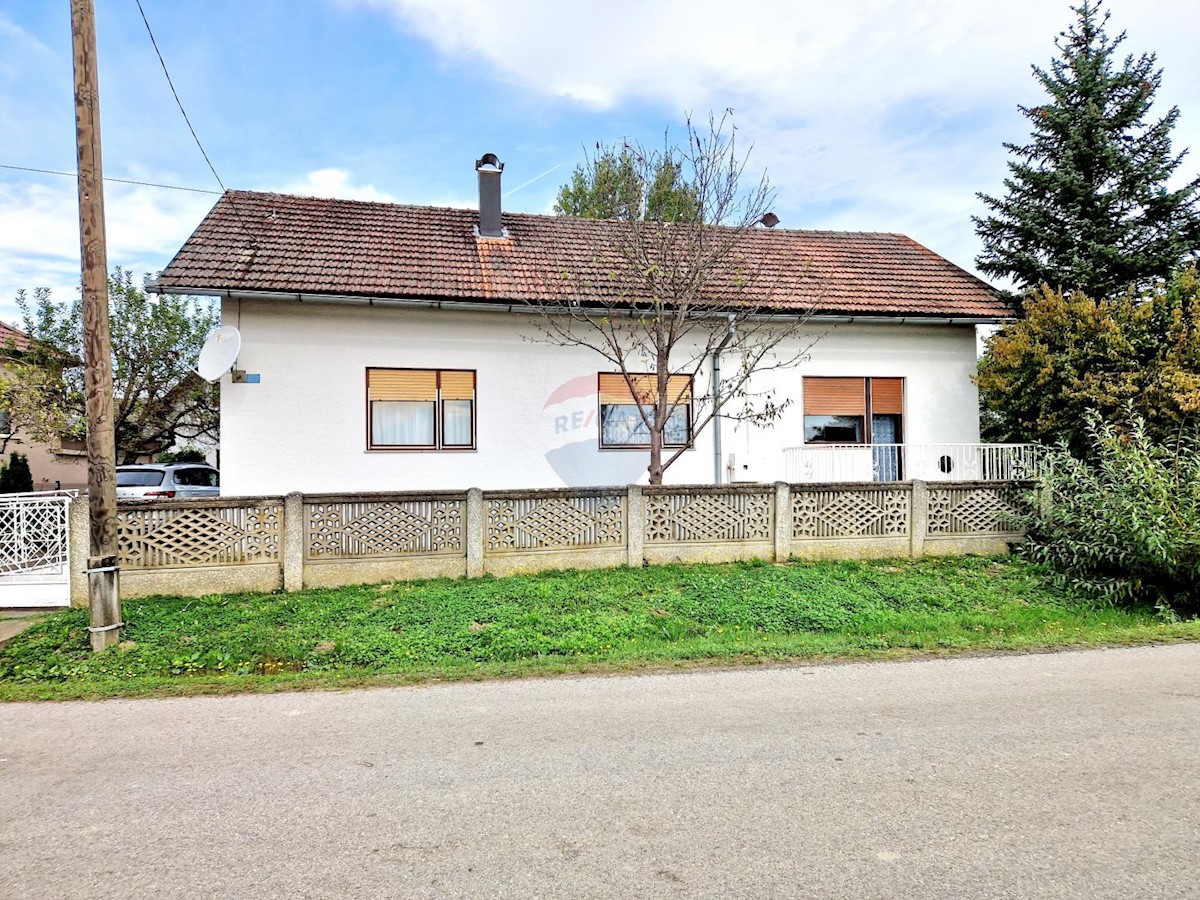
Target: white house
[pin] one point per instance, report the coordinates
(389, 347)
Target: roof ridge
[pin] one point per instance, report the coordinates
(393, 204)
(348, 200)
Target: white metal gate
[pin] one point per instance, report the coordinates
(35, 549)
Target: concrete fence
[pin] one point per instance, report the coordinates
(197, 547)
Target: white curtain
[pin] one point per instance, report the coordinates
(456, 423)
(402, 423)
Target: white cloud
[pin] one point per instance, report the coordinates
(336, 183)
(845, 57)
(39, 232)
(869, 114)
(340, 184)
(39, 226)
(39, 219)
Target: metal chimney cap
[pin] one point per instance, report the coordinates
(489, 159)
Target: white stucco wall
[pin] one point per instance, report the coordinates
(303, 427)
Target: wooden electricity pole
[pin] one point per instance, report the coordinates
(103, 594)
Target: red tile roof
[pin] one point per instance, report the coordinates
(11, 339)
(280, 243)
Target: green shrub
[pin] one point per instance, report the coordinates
(1125, 526)
(188, 454)
(16, 478)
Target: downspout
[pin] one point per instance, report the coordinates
(716, 393)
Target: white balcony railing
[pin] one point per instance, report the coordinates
(903, 462)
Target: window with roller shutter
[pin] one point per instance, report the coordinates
(621, 424)
(420, 409)
(853, 410)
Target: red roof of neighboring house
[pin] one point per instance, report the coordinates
(286, 244)
(11, 339)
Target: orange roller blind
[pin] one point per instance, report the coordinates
(458, 385)
(679, 389)
(614, 389)
(835, 397)
(402, 384)
(887, 396)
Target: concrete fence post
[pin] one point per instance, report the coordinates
(1044, 501)
(918, 522)
(292, 551)
(475, 548)
(78, 537)
(635, 530)
(783, 521)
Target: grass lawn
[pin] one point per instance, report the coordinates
(608, 620)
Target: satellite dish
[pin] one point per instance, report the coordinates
(219, 352)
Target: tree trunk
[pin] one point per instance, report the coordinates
(656, 441)
(659, 419)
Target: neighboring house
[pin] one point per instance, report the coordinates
(61, 464)
(394, 350)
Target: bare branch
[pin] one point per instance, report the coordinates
(674, 278)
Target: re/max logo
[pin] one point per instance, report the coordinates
(574, 422)
(579, 391)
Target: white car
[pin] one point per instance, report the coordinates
(167, 482)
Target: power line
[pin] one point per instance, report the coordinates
(175, 93)
(162, 62)
(169, 187)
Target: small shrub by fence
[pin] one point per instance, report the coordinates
(196, 547)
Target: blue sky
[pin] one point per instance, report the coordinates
(868, 115)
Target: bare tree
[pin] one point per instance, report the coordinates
(668, 287)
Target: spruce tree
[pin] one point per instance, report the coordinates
(15, 478)
(1088, 207)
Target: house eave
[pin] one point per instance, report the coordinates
(517, 306)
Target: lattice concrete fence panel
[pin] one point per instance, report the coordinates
(870, 519)
(208, 533)
(710, 524)
(360, 538)
(324, 540)
(973, 516)
(572, 529)
(193, 547)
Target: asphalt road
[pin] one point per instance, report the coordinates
(1065, 775)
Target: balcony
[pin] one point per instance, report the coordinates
(814, 463)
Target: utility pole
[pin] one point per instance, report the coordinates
(104, 597)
